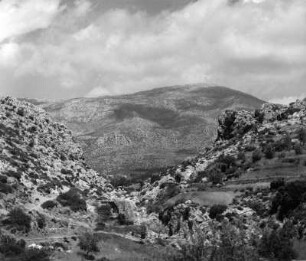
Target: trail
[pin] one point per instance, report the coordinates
(57, 237)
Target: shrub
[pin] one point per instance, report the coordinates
(250, 148)
(123, 220)
(216, 177)
(41, 221)
(259, 115)
(3, 179)
(217, 210)
(21, 112)
(288, 198)
(20, 220)
(88, 243)
(9, 246)
(241, 156)
(72, 198)
(269, 152)
(35, 254)
(231, 244)
(277, 244)
(276, 184)
(49, 204)
(302, 135)
(298, 149)
(5, 188)
(256, 155)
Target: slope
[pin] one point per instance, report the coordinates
(138, 133)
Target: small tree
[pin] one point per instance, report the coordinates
(256, 155)
(269, 152)
(88, 243)
(19, 219)
(216, 210)
(302, 135)
(298, 149)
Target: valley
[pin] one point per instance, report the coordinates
(234, 199)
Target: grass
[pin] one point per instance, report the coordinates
(204, 198)
(117, 248)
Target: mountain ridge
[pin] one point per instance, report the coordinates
(147, 130)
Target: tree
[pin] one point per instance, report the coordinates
(88, 243)
(19, 219)
(269, 152)
(302, 135)
(256, 155)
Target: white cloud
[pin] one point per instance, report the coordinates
(254, 46)
(287, 100)
(9, 54)
(20, 17)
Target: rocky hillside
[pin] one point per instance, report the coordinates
(133, 134)
(251, 147)
(39, 158)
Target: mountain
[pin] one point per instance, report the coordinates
(142, 132)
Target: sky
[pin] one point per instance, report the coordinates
(60, 49)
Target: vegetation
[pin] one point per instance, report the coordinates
(288, 198)
(256, 155)
(13, 250)
(18, 219)
(88, 243)
(277, 243)
(216, 211)
(73, 199)
(225, 243)
(269, 152)
(49, 204)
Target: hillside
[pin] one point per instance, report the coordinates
(252, 180)
(142, 132)
(243, 198)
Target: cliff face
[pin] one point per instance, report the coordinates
(133, 134)
(38, 157)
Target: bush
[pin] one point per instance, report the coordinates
(9, 246)
(276, 184)
(35, 254)
(256, 155)
(288, 198)
(269, 152)
(88, 243)
(216, 177)
(5, 188)
(20, 220)
(302, 135)
(72, 198)
(259, 116)
(229, 243)
(41, 221)
(298, 149)
(49, 204)
(216, 211)
(277, 244)
(241, 156)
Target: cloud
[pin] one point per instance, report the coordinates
(254, 46)
(20, 17)
(287, 100)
